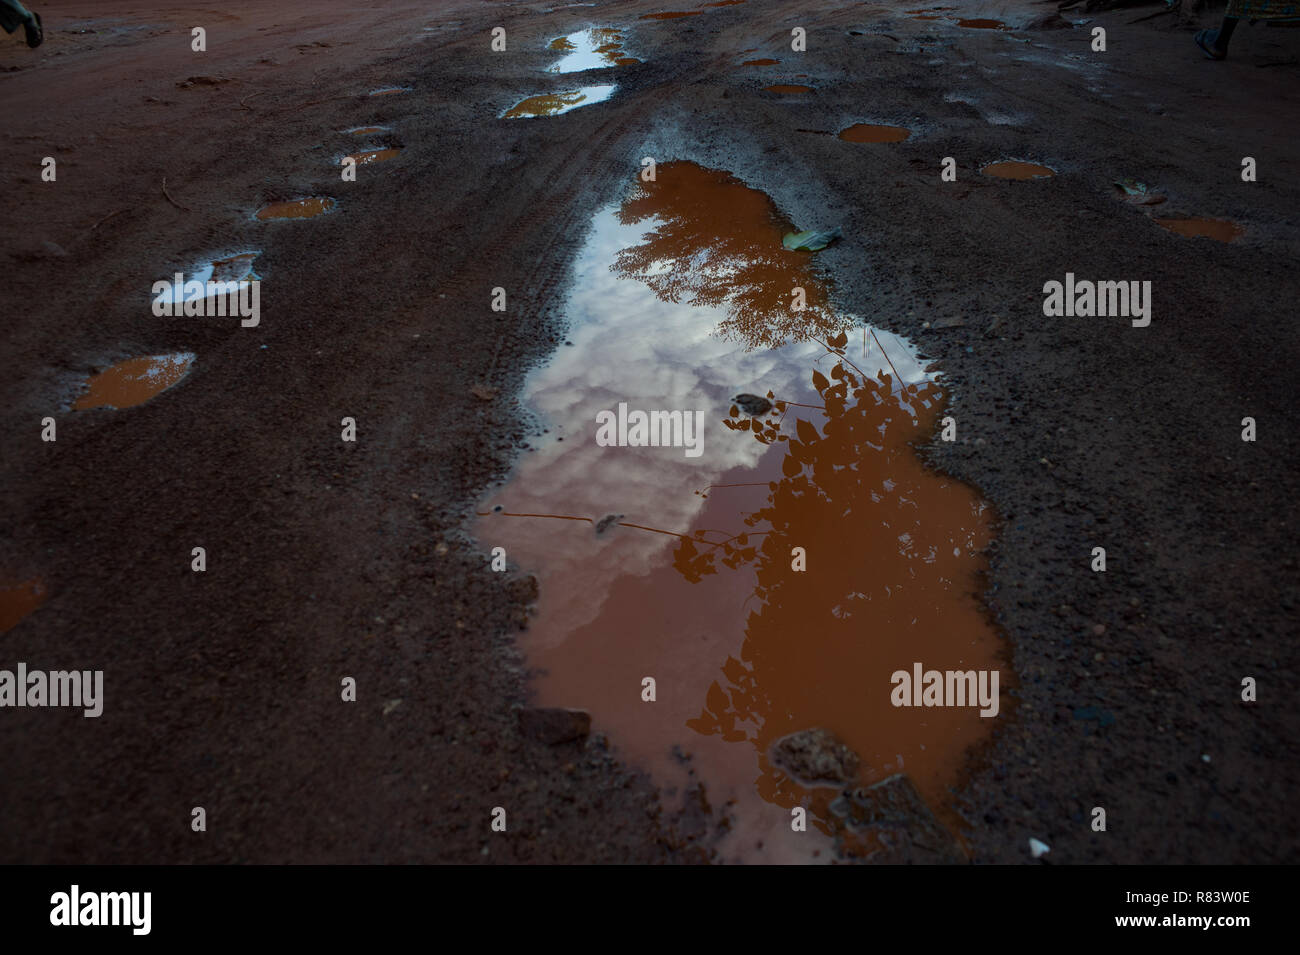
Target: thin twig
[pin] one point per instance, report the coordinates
(244, 101)
(86, 234)
(171, 200)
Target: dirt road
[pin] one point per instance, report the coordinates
(328, 559)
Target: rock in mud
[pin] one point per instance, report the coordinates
(554, 725)
(815, 757)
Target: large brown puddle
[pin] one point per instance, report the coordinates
(134, 381)
(18, 600)
(655, 563)
(297, 208)
(1220, 229)
(867, 133)
(552, 104)
(1014, 169)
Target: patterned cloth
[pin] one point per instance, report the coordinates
(1264, 9)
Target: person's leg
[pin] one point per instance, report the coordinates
(13, 15)
(1214, 43)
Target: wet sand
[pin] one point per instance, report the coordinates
(328, 559)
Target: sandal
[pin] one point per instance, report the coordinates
(35, 35)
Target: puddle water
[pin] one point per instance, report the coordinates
(18, 600)
(552, 104)
(672, 15)
(1220, 229)
(366, 130)
(591, 49)
(234, 268)
(979, 24)
(389, 90)
(764, 62)
(788, 88)
(654, 563)
(297, 208)
(134, 381)
(866, 133)
(1014, 169)
(368, 156)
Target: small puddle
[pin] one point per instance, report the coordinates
(18, 600)
(390, 90)
(980, 24)
(593, 49)
(134, 381)
(1222, 230)
(553, 104)
(788, 88)
(235, 268)
(672, 15)
(654, 563)
(368, 156)
(763, 62)
(297, 208)
(1014, 169)
(866, 133)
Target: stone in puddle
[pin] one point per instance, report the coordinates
(815, 757)
(898, 816)
(553, 724)
(753, 404)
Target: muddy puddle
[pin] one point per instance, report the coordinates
(765, 61)
(134, 381)
(788, 89)
(1015, 169)
(553, 104)
(592, 49)
(1222, 230)
(867, 133)
(297, 208)
(369, 156)
(18, 600)
(672, 15)
(982, 24)
(677, 562)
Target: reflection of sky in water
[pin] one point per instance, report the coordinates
(681, 301)
(587, 50)
(235, 268)
(630, 345)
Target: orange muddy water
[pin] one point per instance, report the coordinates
(788, 88)
(297, 208)
(1221, 230)
(369, 156)
(134, 381)
(1013, 169)
(867, 133)
(654, 562)
(18, 600)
